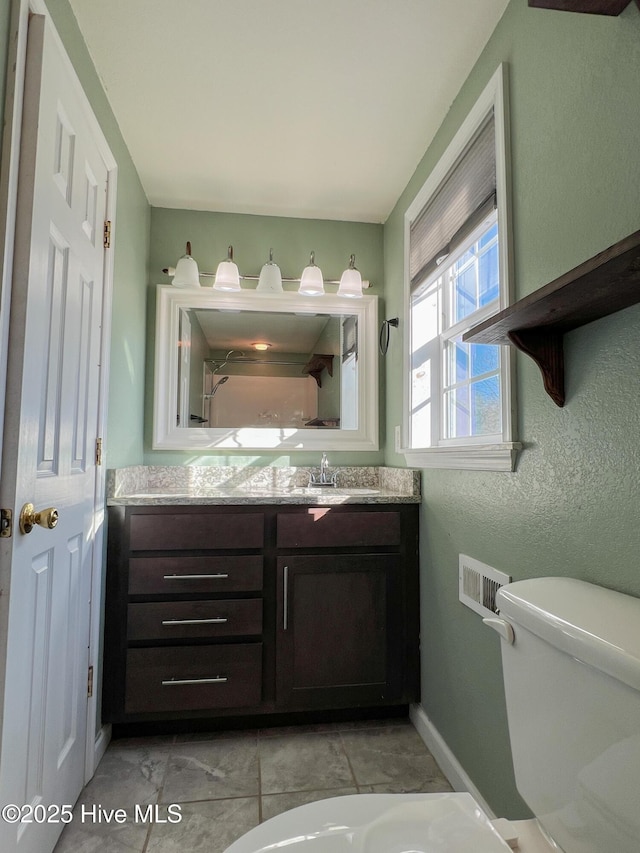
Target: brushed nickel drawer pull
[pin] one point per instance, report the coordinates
(195, 577)
(178, 682)
(217, 620)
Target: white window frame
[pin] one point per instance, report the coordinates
(480, 452)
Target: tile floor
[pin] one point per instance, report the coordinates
(227, 782)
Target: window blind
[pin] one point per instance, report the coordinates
(459, 204)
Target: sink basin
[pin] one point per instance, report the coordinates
(333, 490)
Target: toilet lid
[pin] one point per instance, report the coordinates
(378, 823)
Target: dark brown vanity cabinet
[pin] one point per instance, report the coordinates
(221, 611)
(337, 642)
(184, 612)
(344, 612)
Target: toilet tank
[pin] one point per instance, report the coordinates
(572, 685)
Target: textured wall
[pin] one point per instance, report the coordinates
(251, 237)
(571, 508)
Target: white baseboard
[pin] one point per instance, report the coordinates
(446, 760)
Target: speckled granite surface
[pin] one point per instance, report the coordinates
(162, 485)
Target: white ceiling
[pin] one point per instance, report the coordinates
(225, 331)
(308, 108)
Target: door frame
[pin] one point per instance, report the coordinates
(97, 740)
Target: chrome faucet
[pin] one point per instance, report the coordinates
(324, 467)
(324, 478)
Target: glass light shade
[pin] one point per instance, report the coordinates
(351, 281)
(227, 275)
(186, 273)
(270, 280)
(311, 281)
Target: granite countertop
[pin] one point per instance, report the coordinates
(197, 485)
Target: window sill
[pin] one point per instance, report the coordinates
(472, 457)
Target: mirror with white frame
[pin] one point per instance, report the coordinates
(312, 386)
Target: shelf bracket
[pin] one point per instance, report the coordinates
(545, 348)
(602, 285)
(316, 364)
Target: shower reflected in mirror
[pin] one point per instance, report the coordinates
(306, 380)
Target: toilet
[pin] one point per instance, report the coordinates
(571, 666)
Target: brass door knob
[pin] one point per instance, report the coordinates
(47, 518)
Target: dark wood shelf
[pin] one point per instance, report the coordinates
(606, 283)
(588, 7)
(316, 364)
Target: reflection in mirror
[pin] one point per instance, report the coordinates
(250, 370)
(304, 375)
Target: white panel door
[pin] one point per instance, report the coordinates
(49, 445)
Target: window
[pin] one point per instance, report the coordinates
(464, 377)
(459, 395)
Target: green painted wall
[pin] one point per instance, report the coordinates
(571, 508)
(252, 236)
(123, 445)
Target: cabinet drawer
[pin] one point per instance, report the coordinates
(182, 532)
(193, 678)
(162, 575)
(319, 528)
(170, 620)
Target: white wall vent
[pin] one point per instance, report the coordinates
(478, 585)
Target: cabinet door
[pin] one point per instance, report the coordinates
(340, 631)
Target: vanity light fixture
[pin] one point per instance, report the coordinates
(351, 281)
(227, 275)
(270, 280)
(262, 346)
(186, 272)
(311, 281)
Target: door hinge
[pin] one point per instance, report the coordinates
(98, 451)
(6, 523)
(107, 234)
(90, 683)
